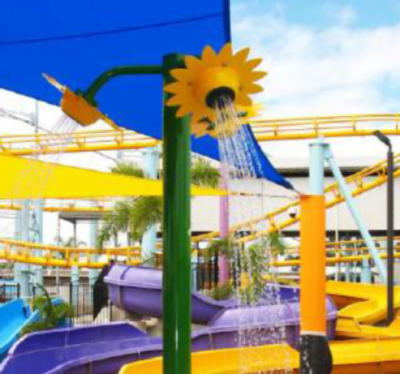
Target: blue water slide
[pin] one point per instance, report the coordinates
(14, 316)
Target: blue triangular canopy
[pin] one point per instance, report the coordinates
(75, 41)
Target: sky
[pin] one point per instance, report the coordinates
(322, 58)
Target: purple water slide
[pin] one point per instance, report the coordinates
(138, 290)
(104, 349)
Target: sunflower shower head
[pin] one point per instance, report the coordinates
(212, 82)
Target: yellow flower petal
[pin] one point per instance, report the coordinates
(240, 57)
(183, 111)
(257, 75)
(226, 53)
(193, 64)
(252, 64)
(253, 89)
(196, 116)
(243, 99)
(182, 75)
(175, 100)
(209, 56)
(174, 88)
(199, 129)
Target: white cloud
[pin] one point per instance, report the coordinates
(314, 70)
(343, 16)
(337, 69)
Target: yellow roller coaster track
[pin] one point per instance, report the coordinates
(361, 182)
(16, 251)
(264, 129)
(51, 255)
(297, 128)
(85, 141)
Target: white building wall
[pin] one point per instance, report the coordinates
(372, 204)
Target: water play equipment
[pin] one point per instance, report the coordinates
(218, 88)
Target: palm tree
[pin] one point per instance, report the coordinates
(130, 169)
(204, 174)
(135, 215)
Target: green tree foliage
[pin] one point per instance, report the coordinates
(146, 211)
(204, 174)
(253, 262)
(129, 169)
(51, 315)
(135, 215)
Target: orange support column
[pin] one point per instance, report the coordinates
(315, 354)
(313, 262)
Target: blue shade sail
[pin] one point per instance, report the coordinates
(77, 40)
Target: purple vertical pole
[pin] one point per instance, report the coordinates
(223, 261)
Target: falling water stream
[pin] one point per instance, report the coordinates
(37, 176)
(243, 164)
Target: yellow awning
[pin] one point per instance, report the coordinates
(29, 179)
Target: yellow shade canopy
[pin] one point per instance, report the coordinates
(29, 179)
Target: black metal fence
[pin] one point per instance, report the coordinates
(9, 291)
(205, 272)
(81, 297)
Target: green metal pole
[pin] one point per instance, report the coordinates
(104, 78)
(176, 276)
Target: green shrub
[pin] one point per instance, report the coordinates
(223, 292)
(51, 315)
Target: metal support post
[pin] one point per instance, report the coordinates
(355, 213)
(75, 272)
(24, 268)
(93, 234)
(151, 165)
(18, 236)
(315, 355)
(177, 256)
(390, 237)
(37, 224)
(366, 274)
(38, 238)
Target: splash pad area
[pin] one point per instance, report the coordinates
(249, 320)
